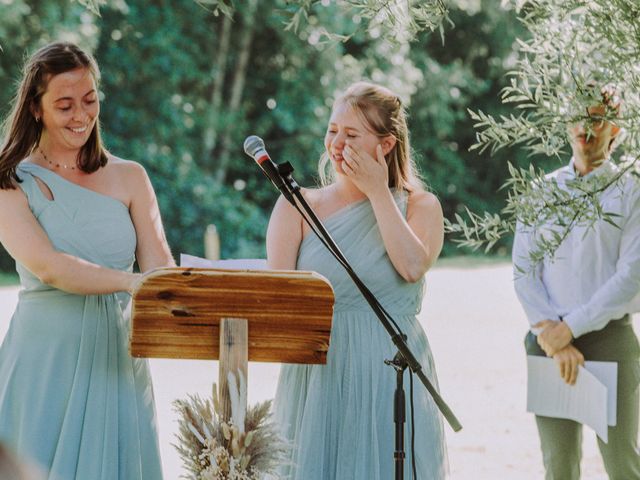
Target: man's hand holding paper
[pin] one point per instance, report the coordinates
(568, 361)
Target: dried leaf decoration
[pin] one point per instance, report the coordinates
(212, 449)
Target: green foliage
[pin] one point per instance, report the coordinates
(8, 279)
(156, 66)
(397, 20)
(180, 103)
(218, 7)
(575, 49)
(93, 5)
(468, 72)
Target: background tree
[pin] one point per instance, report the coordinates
(575, 49)
(182, 88)
(468, 71)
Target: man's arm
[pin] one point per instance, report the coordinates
(612, 300)
(527, 281)
(534, 298)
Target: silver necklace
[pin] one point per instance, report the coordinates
(55, 165)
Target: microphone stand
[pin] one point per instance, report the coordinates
(404, 357)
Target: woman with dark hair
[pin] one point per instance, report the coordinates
(75, 218)
(339, 416)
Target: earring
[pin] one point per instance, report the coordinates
(37, 119)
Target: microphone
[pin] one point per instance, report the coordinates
(254, 147)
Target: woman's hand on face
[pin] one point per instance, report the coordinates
(370, 175)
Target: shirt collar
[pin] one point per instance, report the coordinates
(606, 167)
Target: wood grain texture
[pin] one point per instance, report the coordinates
(233, 360)
(177, 311)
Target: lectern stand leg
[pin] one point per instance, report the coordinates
(234, 346)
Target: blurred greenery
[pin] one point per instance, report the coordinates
(8, 279)
(577, 54)
(465, 262)
(182, 87)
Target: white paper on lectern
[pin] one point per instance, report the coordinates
(550, 396)
(191, 261)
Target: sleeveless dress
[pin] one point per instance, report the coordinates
(338, 417)
(71, 397)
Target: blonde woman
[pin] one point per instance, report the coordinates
(339, 417)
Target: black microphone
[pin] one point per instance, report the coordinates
(254, 147)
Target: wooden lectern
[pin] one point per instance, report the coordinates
(234, 316)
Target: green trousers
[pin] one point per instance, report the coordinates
(561, 440)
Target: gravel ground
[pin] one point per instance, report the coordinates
(475, 326)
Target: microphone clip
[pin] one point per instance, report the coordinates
(285, 169)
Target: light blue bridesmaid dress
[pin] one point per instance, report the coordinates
(338, 417)
(71, 397)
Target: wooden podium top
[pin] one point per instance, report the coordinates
(176, 313)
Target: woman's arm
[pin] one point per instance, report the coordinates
(26, 241)
(284, 236)
(152, 250)
(413, 244)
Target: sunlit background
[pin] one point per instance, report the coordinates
(182, 87)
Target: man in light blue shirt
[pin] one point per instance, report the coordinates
(578, 303)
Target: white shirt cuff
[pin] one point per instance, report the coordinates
(576, 321)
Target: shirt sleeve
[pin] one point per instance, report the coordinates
(527, 279)
(613, 299)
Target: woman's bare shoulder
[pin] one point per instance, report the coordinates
(425, 201)
(423, 197)
(124, 165)
(15, 193)
(284, 209)
(127, 171)
(314, 196)
(13, 197)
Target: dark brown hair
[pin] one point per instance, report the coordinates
(21, 130)
(384, 115)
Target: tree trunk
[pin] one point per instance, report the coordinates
(218, 73)
(237, 88)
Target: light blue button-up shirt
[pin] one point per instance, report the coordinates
(594, 276)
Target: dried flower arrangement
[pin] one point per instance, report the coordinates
(213, 449)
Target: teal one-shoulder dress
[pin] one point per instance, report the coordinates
(72, 399)
(338, 417)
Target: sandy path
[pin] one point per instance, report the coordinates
(475, 326)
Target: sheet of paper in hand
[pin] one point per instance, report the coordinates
(591, 401)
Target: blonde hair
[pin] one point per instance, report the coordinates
(383, 113)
